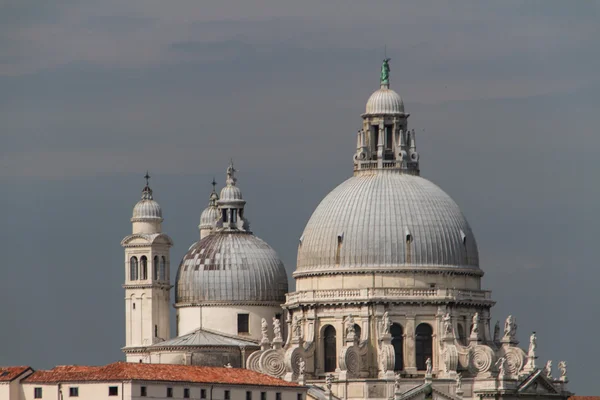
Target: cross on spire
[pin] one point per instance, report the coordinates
(147, 178)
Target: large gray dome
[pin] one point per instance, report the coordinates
(386, 220)
(231, 266)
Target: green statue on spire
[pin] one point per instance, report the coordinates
(385, 71)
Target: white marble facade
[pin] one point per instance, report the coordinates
(389, 300)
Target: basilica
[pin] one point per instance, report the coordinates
(389, 302)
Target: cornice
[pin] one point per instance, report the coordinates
(229, 303)
(389, 270)
(153, 285)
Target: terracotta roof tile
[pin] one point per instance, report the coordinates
(584, 398)
(156, 372)
(8, 374)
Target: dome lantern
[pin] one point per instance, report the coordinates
(231, 204)
(385, 142)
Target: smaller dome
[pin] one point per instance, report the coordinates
(230, 267)
(147, 207)
(209, 216)
(385, 101)
(231, 193)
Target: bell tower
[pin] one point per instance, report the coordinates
(147, 284)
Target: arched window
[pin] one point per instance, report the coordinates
(163, 268)
(396, 332)
(423, 345)
(144, 268)
(155, 268)
(133, 268)
(462, 339)
(329, 349)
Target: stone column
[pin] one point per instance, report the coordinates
(410, 365)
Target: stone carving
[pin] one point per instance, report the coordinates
(510, 328)
(386, 357)
(297, 329)
(475, 327)
(447, 321)
(385, 324)
(548, 369)
(532, 345)
(350, 331)
(531, 356)
(481, 359)
(264, 327)
(350, 360)
(562, 368)
(458, 383)
(449, 356)
(271, 363)
(397, 380)
(428, 366)
(497, 332)
(276, 330)
(252, 361)
(514, 360)
(501, 364)
(301, 366)
(329, 382)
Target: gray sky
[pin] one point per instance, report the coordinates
(94, 93)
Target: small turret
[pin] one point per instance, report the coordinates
(210, 215)
(231, 204)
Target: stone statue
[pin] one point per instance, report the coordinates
(447, 320)
(532, 345)
(329, 382)
(429, 367)
(276, 330)
(350, 326)
(301, 367)
(385, 324)
(385, 71)
(562, 368)
(510, 327)
(501, 364)
(397, 382)
(497, 332)
(297, 326)
(264, 327)
(475, 327)
(458, 382)
(548, 369)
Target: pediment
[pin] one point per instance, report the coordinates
(427, 392)
(537, 384)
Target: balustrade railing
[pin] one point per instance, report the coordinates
(388, 293)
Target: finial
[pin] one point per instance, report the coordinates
(147, 192)
(385, 73)
(231, 174)
(214, 184)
